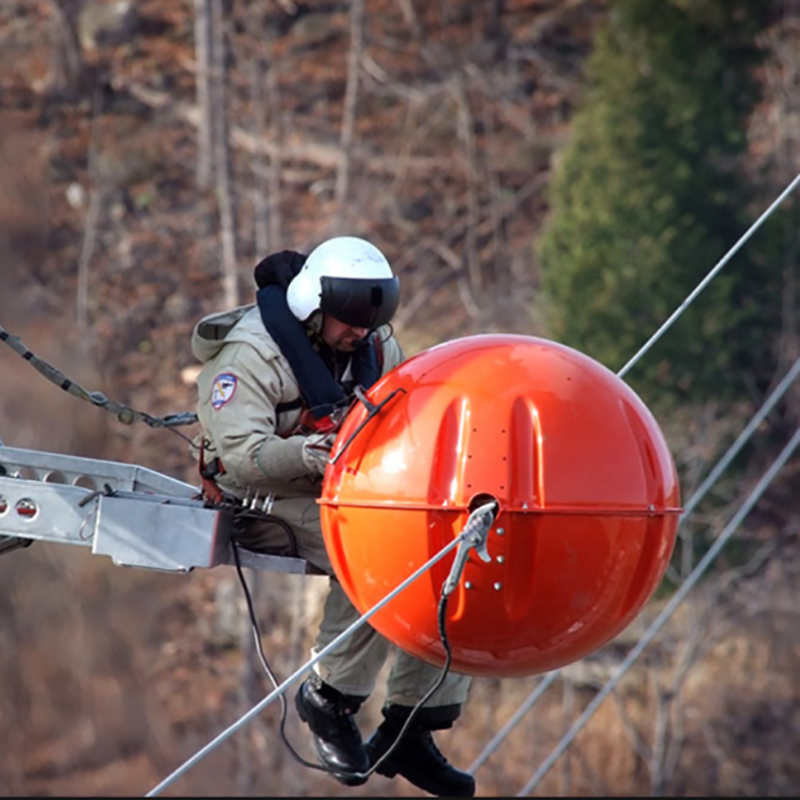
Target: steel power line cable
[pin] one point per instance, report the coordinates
(711, 479)
(667, 612)
(690, 506)
(710, 276)
(501, 735)
(466, 539)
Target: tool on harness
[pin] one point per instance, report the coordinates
(243, 510)
(208, 473)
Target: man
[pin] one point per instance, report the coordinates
(277, 377)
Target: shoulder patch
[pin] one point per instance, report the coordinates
(223, 389)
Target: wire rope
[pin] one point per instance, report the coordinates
(666, 613)
(712, 477)
(464, 536)
(710, 276)
(690, 506)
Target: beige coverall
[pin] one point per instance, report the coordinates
(243, 380)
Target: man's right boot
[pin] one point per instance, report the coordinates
(416, 756)
(337, 739)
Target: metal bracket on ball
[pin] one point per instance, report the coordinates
(474, 536)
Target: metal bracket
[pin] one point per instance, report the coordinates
(134, 515)
(474, 537)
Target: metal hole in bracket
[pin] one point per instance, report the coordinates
(3, 505)
(26, 508)
(85, 482)
(55, 477)
(28, 474)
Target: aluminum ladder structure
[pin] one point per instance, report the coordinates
(134, 515)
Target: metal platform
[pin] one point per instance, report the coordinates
(135, 516)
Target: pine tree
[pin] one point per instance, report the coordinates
(647, 198)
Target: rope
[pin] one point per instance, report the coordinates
(124, 414)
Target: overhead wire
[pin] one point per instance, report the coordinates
(512, 723)
(667, 611)
(690, 506)
(710, 276)
(457, 541)
(712, 477)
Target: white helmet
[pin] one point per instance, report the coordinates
(348, 278)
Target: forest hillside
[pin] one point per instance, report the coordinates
(432, 129)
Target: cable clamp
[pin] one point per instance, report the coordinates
(472, 537)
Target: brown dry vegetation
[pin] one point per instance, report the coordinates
(110, 679)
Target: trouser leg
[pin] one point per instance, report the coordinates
(410, 678)
(353, 665)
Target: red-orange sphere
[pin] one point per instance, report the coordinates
(587, 491)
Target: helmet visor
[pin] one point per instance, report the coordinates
(360, 302)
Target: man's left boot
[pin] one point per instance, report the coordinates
(416, 757)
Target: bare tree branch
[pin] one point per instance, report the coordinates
(67, 52)
(317, 153)
(205, 127)
(222, 165)
(466, 134)
(349, 109)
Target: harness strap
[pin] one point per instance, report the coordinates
(292, 405)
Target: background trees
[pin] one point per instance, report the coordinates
(650, 193)
(433, 128)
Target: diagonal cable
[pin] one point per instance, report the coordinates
(529, 703)
(726, 459)
(466, 536)
(666, 613)
(691, 504)
(702, 285)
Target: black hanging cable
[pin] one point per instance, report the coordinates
(265, 663)
(441, 622)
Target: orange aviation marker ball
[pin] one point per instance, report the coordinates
(587, 491)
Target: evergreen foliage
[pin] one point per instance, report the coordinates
(646, 199)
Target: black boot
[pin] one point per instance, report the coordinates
(337, 740)
(416, 756)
